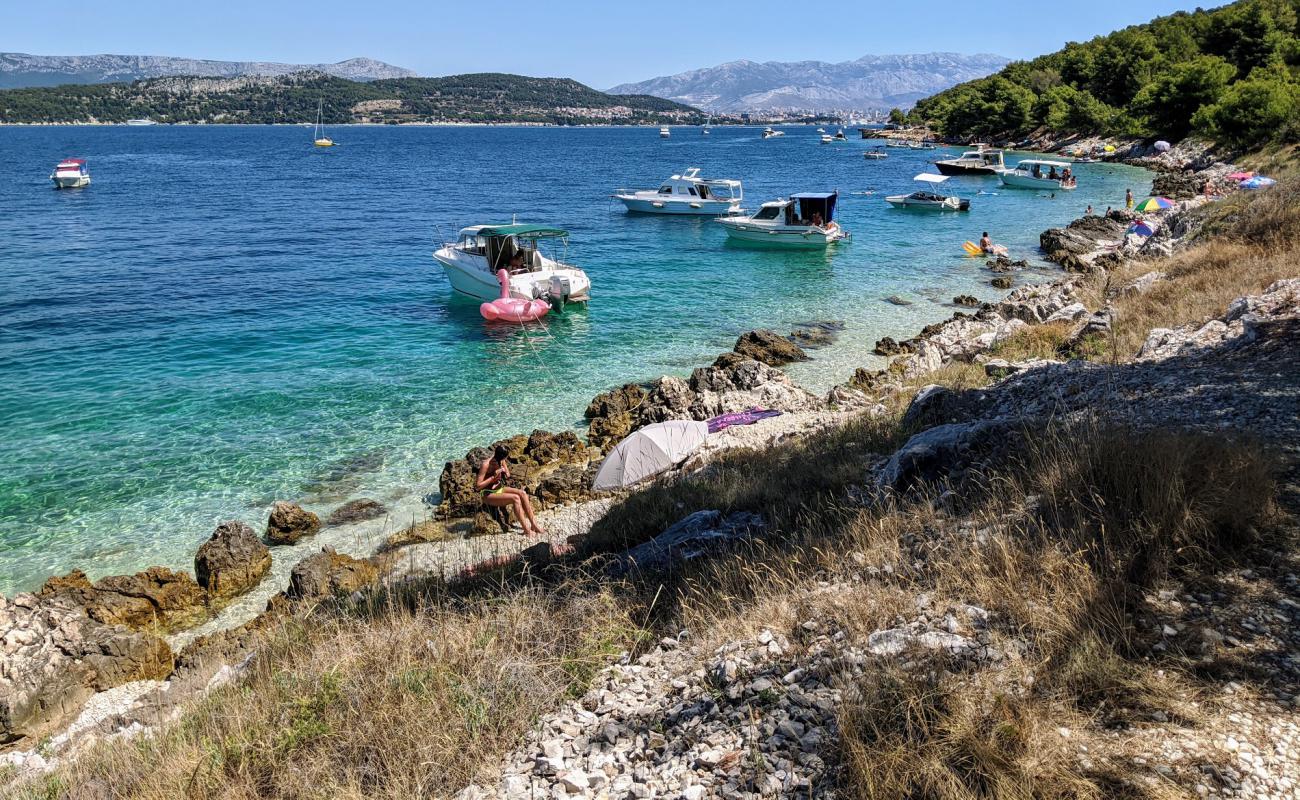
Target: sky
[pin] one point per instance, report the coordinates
(598, 43)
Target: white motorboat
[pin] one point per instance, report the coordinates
(827, 138)
(804, 220)
(1037, 173)
(70, 173)
(840, 137)
(473, 260)
(664, 133)
(980, 161)
(140, 122)
(876, 153)
(821, 130)
(770, 132)
(687, 193)
(922, 200)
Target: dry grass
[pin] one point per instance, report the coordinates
(1036, 341)
(404, 703)
(1249, 241)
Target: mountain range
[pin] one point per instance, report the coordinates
(20, 70)
(869, 82)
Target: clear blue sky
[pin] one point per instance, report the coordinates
(598, 43)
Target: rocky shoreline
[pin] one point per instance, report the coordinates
(83, 660)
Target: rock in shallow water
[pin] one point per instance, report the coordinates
(232, 561)
(358, 510)
(769, 348)
(329, 574)
(290, 522)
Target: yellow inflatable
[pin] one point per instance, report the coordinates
(971, 249)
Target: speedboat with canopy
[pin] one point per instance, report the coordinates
(803, 220)
(687, 193)
(473, 261)
(980, 161)
(876, 153)
(770, 132)
(928, 201)
(1037, 173)
(70, 173)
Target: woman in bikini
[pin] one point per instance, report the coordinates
(492, 483)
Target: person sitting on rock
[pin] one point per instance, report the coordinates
(492, 483)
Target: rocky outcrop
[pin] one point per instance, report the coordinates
(232, 561)
(612, 414)
(156, 599)
(546, 465)
(53, 657)
(358, 510)
(701, 533)
(966, 300)
(1244, 321)
(768, 348)
(1080, 237)
(1001, 283)
(1178, 185)
(290, 522)
(328, 574)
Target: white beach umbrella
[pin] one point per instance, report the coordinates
(1162, 146)
(649, 451)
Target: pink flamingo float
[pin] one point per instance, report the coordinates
(512, 309)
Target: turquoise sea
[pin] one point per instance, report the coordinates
(229, 316)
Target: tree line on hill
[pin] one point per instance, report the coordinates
(484, 97)
(1231, 74)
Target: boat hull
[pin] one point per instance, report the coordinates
(902, 201)
(1015, 181)
(71, 182)
(468, 279)
(962, 169)
(709, 208)
(784, 237)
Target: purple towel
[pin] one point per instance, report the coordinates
(748, 417)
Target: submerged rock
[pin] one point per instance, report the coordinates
(966, 300)
(769, 348)
(232, 561)
(1001, 283)
(358, 510)
(289, 522)
(816, 334)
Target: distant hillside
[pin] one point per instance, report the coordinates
(1231, 74)
(19, 70)
(482, 97)
(869, 82)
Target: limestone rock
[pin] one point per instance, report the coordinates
(156, 599)
(534, 460)
(1001, 283)
(290, 522)
(966, 300)
(768, 348)
(329, 574)
(1178, 185)
(358, 510)
(53, 657)
(888, 347)
(232, 561)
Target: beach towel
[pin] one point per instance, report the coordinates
(747, 417)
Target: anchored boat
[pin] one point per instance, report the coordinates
(770, 132)
(928, 201)
(804, 220)
(473, 261)
(687, 193)
(980, 161)
(318, 136)
(876, 153)
(70, 173)
(1037, 173)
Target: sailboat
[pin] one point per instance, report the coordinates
(708, 126)
(319, 138)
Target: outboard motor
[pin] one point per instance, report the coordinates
(559, 292)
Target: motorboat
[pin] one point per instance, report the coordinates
(827, 138)
(318, 136)
(70, 173)
(664, 133)
(140, 122)
(769, 132)
(928, 200)
(1037, 173)
(687, 193)
(473, 263)
(876, 153)
(980, 161)
(803, 220)
(839, 136)
(821, 130)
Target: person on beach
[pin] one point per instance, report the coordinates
(986, 244)
(492, 483)
(1128, 199)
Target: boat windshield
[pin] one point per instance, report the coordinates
(768, 212)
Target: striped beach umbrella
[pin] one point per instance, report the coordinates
(1155, 204)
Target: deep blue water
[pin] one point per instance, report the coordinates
(228, 315)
